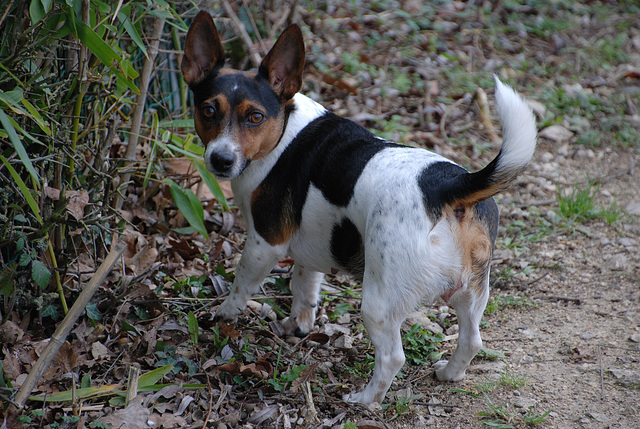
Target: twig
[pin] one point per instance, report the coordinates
(443, 120)
(559, 298)
(485, 115)
(601, 373)
(246, 39)
(312, 413)
(67, 324)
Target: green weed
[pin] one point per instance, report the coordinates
(421, 346)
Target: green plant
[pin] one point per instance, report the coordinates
(362, 367)
(497, 416)
(399, 406)
(532, 418)
(281, 382)
(421, 346)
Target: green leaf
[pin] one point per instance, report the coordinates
(36, 11)
(193, 327)
(106, 54)
(82, 393)
(92, 311)
(37, 117)
(40, 274)
(50, 310)
(152, 377)
(17, 145)
(190, 207)
(211, 183)
(23, 188)
(132, 32)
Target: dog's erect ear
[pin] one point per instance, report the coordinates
(284, 63)
(202, 50)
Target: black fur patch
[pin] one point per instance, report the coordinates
(435, 184)
(329, 153)
(431, 182)
(347, 247)
(237, 87)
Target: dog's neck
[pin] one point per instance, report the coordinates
(305, 110)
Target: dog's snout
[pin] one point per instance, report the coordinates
(222, 161)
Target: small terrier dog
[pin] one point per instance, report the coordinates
(411, 224)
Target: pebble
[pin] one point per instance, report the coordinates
(633, 208)
(618, 262)
(525, 403)
(635, 338)
(421, 318)
(344, 342)
(556, 133)
(587, 336)
(332, 328)
(627, 242)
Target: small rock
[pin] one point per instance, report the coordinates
(633, 208)
(556, 133)
(635, 338)
(421, 318)
(627, 242)
(332, 328)
(525, 403)
(587, 336)
(344, 342)
(599, 417)
(618, 262)
(585, 154)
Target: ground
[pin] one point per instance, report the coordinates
(562, 328)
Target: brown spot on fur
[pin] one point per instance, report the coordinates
(210, 129)
(272, 214)
(473, 240)
(256, 141)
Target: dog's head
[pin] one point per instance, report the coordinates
(239, 116)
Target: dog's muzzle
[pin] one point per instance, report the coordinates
(224, 159)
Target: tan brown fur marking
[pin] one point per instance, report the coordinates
(472, 237)
(207, 130)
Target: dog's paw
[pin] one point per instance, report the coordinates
(353, 397)
(293, 327)
(228, 312)
(444, 372)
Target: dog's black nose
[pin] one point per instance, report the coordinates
(222, 161)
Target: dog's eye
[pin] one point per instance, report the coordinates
(209, 111)
(256, 118)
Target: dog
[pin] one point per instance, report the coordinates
(411, 224)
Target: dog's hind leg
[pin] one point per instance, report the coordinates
(469, 305)
(382, 318)
(305, 287)
(258, 259)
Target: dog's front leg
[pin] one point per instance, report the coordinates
(257, 261)
(305, 287)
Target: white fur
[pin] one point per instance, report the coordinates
(518, 128)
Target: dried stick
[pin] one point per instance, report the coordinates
(67, 324)
(136, 122)
(485, 116)
(246, 39)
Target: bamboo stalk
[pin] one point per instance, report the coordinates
(141, 100)
(59, 337)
